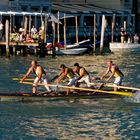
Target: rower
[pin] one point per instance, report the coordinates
(68, 73)
(40, 75)
(115, 71)
(83, 75)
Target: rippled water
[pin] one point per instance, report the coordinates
(73, 118)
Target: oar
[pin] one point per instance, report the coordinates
(27, 79)
(96, 66)
(86, 89)
(122, 87)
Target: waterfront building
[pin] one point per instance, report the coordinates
(123, 10)
(86, 9)
(31, 5)
(34, 6)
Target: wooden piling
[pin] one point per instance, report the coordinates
(10, 24)
(45, 30)
(53, 46)
(30, 20)
(14, 50)
(76, 27)
(102, 34)
(25, 25)
(124, 25)
(65, 31)
(113, 25)
(7, 38)
(42, 45)
(94, 35)
(58, 33)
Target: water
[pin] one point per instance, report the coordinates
(73, 118)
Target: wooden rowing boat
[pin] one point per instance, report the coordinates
(44, 96)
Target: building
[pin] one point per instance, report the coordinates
(123, 10)
(86, 9)
(31, 5)
(35, 6)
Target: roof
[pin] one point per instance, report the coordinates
(85, 9)
(14, 13)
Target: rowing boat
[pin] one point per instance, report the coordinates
(83, 93)
(21, 96)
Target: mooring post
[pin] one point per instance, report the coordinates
(25, 25)
(113, 25)
(14, 49)
(53, 45)
(76, 27)
(41, 44)
(58, 28)
(7, 38)
(94, 35)
(102, 34)
(65, 38)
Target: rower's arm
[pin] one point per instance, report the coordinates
(112, 74)
(81, 73)
(26, 75)
(56, 76)
(63, 76)
(106, 72)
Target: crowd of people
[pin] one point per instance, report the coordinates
(25, 36)
(75, 76)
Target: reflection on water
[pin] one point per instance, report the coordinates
(74, 119)
(99, 119)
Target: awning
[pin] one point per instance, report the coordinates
(85, 9)
(14, 13)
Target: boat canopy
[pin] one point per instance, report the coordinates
(21, 13)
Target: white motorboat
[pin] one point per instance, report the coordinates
(74, 51)
(69, 46)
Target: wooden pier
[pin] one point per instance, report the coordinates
(20, 45)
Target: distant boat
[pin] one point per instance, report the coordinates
(116, 45)
(75, 51)
(71, 49)
(77, 44)
(69, 46)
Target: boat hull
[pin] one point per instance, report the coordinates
(75, 51)
(5, 97)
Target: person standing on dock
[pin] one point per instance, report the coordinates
(123, 35)
(40, 75)
(66, 73)
(83, 75)
(115, 71)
